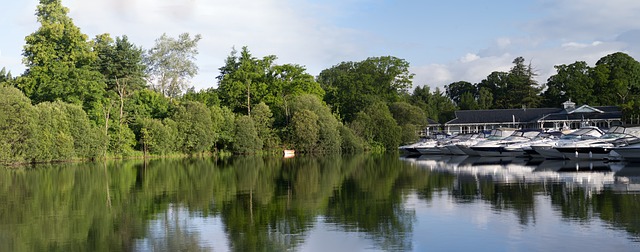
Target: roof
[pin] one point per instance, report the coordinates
(501, 115)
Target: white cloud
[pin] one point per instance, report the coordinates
(469, 57)
(292, 31)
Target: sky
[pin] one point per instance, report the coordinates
(444, 41)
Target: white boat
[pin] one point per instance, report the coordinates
(496, 148)
(495, 135)
(468, 140)
(547, 150)
(629, 152)
(431, 146)
(599, 148)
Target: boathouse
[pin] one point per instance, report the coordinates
(567, 117)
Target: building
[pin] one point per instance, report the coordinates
(567, 117)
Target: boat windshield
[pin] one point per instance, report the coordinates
(583, 133)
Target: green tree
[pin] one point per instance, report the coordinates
(224, 124)
(171, 63)
(305, 130)
(17, 125)
(522, 88)
(571, 82)
(208, 97)
(376, 124)
(263, 119)
(485, 98)
(468, 102)
(456, 90)
(246, 137)
(350, 86)
(193, 120)
(286, 82)
(60, 60)
(328, 134)
(496, 83)
(616, 79)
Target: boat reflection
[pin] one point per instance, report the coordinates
(594, 175)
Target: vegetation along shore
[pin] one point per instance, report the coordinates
(86, 98)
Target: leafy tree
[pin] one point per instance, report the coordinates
(148, 103)
(246, 138)
(224, 124)
(17, 125)
(208, 97)
(286, 82)
(405, 113)
(571, 82)
(442, 105)
(350, 86)
(305, 130)
(496, 83)
(60, 60)
(5, 76)
(154, 136)
(350, 142)
(263, 119)
(193, 120)
(485, 98)
(468, 102)
(171, 63)
(376, 124)
(456, 90)
(328, 134)
(616, 79)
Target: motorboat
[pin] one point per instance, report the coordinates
(629, 151)
(467, 140)
(600, 148)
(431, 146)
(493, 138)
(497, 148)
(547, 150)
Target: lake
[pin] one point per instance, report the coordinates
(368, 202)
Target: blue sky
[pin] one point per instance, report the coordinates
(444, 41)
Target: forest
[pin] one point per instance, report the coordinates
(84, 98)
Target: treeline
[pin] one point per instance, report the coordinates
(89, 98)
(614, 80)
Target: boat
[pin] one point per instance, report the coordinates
(629, 151)
(547, 150)
(496, 147)
(432, 145)
(289, 153)
(494, 135)
(600, 148)
(467, 140)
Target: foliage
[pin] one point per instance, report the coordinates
(246, 138)
(156, 137)
(376, 124)
(305, 130)
(59, 61)
(263, 119)
(328, 135)
(194, 126)
(350, 86)
(350, 142)
(171, 63)
(208, 97)
(17, 125)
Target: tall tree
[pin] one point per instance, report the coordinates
(121, 64)
(616, 78)
(456, 90)
(351, 86)
(171, 63)
(571, 82)
(496, 83)
(522, 88)
(59, 60)
(242, 80)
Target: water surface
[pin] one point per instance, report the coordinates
(336, 203)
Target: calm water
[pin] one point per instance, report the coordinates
(352, 203)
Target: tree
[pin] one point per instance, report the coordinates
(246, 138)
(376, 124)
(286, 82)
(456, 90)
(263, 120)
(120, 63)
(522, 88)
(571, 82)
(616, 78)
(328, 134)
(171, 63)
(17, 125)
(208, 97)
(350, 86)
(305, 130)
(485, 98)
(468, 102)
(60, 61)
(194, 125)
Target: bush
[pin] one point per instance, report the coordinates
(246, 140)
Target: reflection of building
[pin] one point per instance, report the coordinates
(568, 117)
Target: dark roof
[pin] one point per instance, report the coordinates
(501, 115)
(432, 122)
(531, 115)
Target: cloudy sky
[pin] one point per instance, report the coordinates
(444, 41)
